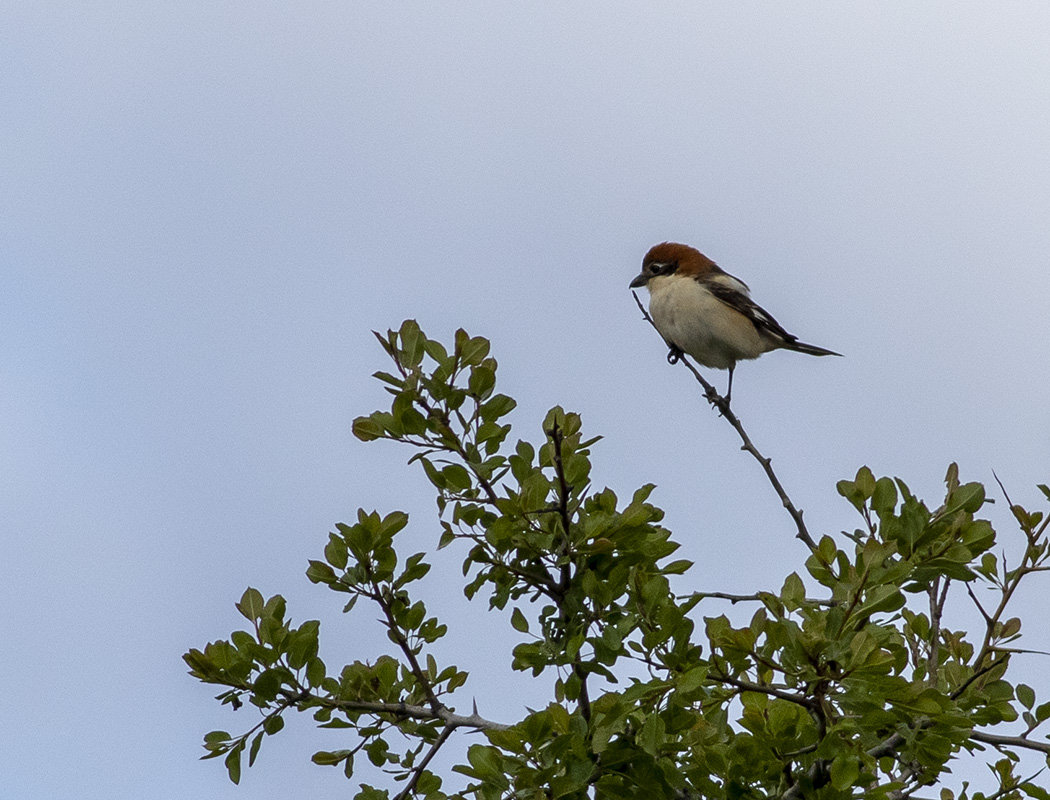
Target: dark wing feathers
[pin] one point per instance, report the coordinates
(759, 317)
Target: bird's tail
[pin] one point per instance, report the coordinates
(809, 349)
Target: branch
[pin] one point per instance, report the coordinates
(563, 502)
(888, 747)
(402, 642)
(1010, 741)
(720, 403)
(564, 491)
(795, 792)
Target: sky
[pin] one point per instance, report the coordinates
(206, 208)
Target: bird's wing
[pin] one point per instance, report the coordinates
(734, 293)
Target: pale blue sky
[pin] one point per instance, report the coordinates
(206, 207)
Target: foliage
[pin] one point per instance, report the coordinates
(858, 691)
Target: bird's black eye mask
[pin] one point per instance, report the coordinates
(662, 268)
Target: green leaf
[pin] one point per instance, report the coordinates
(652, 735)
(233, 763)
(1011, 627)
(794, 591)
(1038, 792)
(412, 341)
(319, 572)
(457, 479)
(865, 482)
(335, 551)
(482, 381)
(315, 672)
(518, 621)
(393, 523)
(881, 598)
(251, 605)
(485, 760)
(884, 498)
(254, 750)
(969, 497)
(845, 769)
(268, 684)
(436, 350)
(851, 492)
(497, 406)
(1026, 695)
(370, 792)
(473, 351)
(329, 758)
(367, 429)
(1043, 712)
(273, 725)
(677, 567)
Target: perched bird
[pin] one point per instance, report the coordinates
(703, 311)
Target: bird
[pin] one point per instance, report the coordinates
(702, 311)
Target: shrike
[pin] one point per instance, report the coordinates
(703, 311)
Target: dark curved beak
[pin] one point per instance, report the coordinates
(641, 280)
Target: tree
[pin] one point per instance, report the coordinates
(850, 688)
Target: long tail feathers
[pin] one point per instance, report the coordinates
(809, 349)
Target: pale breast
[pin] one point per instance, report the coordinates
(690, 317)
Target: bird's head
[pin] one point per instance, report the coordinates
(670, 258)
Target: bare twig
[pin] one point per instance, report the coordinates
(977, 603)
(747, 686)
(757, 598)
(1010, 741)
(399, 710)
(722, 405)
(417, 771)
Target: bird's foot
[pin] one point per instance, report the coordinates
(674, 355)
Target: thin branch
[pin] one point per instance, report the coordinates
(417, 771)
(400, 710)
(982, 671)
(546, 586)
(757, 598)
(977, 603)
(1009, 502)
(933, 660)
(720, 403)
(747, 686)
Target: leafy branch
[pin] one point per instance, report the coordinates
(861, 692)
